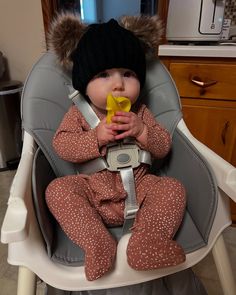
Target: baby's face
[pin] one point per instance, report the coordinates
(118, 82)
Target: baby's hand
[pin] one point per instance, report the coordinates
(105, 133)
(128, 124)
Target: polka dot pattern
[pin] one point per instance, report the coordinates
(160, 214)
(83, 205)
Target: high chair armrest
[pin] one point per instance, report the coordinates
(15, 224)
(224, 172)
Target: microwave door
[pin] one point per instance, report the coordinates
(211, 17)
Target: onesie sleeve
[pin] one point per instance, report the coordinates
(159, 139)
(74, 141)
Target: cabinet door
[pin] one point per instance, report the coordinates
(214, 124)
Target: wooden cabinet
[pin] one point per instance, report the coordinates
(207, 88)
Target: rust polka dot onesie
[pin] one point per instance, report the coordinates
(83, 205)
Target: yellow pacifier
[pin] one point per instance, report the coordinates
(115, 104)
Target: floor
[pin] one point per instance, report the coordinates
(205, 270)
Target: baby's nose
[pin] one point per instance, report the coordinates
(118, 83)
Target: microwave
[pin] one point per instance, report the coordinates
(195, 20)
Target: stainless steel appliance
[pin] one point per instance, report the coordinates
(195, 20)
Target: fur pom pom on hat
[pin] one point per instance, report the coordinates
(149, 30)
(97, 47)
(64, 35)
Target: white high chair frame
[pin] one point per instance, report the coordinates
(26, 247)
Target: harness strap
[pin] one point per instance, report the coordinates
(99, 164)
(85, 108)
(131, 206)
(93, 166)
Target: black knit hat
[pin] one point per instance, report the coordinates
(106, 46)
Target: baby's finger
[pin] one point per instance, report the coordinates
(121, 127)
(122, 135)
(121, 113)
(120, 119)
(111, 126)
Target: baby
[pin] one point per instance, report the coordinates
(109, 59)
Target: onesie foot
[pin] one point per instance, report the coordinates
(100, 260)
(146, 252)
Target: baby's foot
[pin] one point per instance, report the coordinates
(100, 259)
(146, 252)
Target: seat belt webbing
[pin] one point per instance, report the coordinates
(127, 176)
(131, 206)
(85, 108)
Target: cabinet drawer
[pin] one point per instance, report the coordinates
(219, 79)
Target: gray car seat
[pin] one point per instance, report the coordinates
(44, 103)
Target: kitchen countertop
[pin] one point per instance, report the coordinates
(227, 51)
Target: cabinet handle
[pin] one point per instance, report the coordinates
(198, 81)
(224, 131)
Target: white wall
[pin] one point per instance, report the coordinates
(22, 38)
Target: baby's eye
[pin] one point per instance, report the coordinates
(102, 75)
(129, 74)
